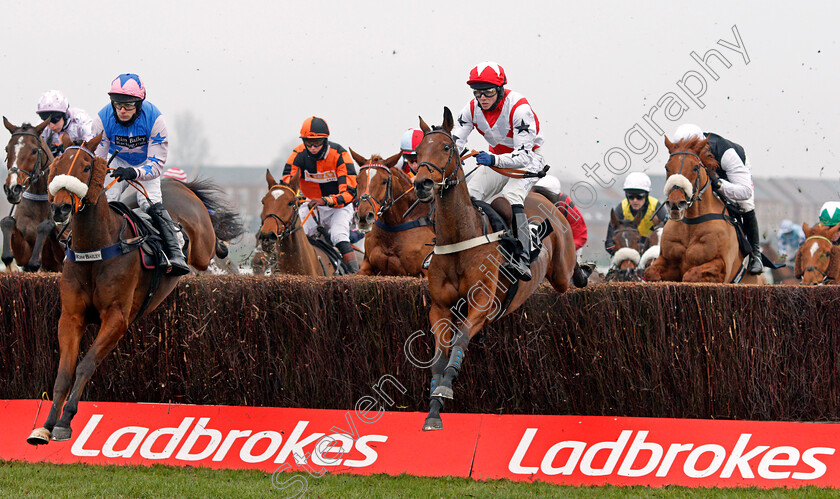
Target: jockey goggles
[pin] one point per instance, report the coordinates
(488, 92)
(313, 142)
(636, 195)
(411, 158)
(54, 117)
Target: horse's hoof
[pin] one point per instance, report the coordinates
(31, 268)
(39, 436)
(60, 434)
(443, 392)
(432, 424)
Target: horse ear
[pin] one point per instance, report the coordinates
(832, 232)
(93, 143)
(358, 158)
(423, 125)
(294, 183)
(392, 161)
(806, 229)
(11, 127)
(638, 218)
(701, 144)
(448, 122)
(40, 128)
(269, 178)
(66, 141)
(669, 144)
(613, 217)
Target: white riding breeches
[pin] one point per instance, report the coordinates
(337, 220)
(748, 204)
(152, 188)
(487, 185)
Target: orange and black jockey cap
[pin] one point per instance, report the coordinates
(314, 128)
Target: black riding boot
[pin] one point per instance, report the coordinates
(522, 232)
(349, 257)
(165, 226)
(751, 231)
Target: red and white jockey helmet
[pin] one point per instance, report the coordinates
(53, 101)
(127, 87)
(410, 140)
(487, 74)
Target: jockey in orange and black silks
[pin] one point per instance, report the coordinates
(328, 181)
(511, 128)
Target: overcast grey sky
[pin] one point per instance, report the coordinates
(253, 71)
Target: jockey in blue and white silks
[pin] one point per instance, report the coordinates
(135, 131)
(142, 145)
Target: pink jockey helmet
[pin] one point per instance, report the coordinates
(128, 84)
(410, 140)
(176, 173)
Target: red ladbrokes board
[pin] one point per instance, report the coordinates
(560, 449)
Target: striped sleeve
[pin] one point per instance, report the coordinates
(344, 196)
(290, 169)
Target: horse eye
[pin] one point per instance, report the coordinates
(446, 148)
(292, 202)
(384, 182)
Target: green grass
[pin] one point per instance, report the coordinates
(77, 480)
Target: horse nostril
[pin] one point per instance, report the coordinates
(370, 218)
(17, 189)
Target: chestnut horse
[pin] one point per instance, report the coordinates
(468, 283)
(109, 286)
(699, 242)
(286, 248)
(394, 244)
(818, 259)
(30, 236)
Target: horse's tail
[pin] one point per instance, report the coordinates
(227, 224)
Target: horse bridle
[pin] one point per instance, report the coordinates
(288, 227)
(697, 194)
(447, 180)
(79, 203)
(390, 200)
(33, 177)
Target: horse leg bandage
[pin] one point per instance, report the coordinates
(437, 372)
(456, 356)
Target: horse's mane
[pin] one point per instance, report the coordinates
(375, 158)
(398, 172)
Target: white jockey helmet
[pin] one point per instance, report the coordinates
(688, 131)
(637, 181)
(53, 101)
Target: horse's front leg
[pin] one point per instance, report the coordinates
(114, 325)
(7, 226)
(70, 329)
(662, 270)
(45, 229)
(441, 321)
(713, 271)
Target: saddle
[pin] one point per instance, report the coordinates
(321, 240)
(508, 242)
(735, 218)
(146, 236)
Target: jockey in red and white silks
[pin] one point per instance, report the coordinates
(512, 130)
(506, 121)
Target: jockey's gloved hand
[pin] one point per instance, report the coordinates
(715, 181)
(316, 202)
(485, 159)
(122, 174)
